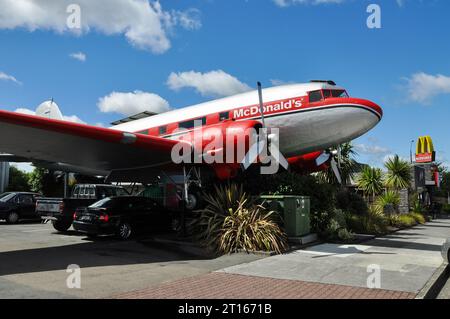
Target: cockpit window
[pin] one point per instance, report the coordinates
(315, 96)
(339, 93)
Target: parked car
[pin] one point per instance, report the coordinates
(446, 250)
(60, 210)
(15, 206)
(122, 216)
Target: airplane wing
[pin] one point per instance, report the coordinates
(91, 149)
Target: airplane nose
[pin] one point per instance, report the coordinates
(369, 105)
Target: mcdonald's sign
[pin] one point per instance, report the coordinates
(425, 150)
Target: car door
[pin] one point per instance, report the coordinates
(26, 205)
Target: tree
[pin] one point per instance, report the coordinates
(348, 166)
(46, 182)
(370, 181)
(399, 173)
(18, 180)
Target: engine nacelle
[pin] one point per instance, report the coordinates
(307, 163)
(223, 146)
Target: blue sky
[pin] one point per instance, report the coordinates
(177, 53)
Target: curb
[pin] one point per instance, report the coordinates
(435, 283)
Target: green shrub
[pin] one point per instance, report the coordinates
(374, 222)
(351, 202)
(446, 208)
(230, 222)
(419, 218)
(402, 221)
(252, 229)
(208, 222)
(336, 228)
(388, 198)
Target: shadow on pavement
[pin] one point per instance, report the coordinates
(403, 244)
(101, 252)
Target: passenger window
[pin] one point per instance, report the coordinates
(92, 191)
(187, 124)
(145, 132)
(162, 130)
(224, 116)
(315, 96)
(76, 191)
(326, 94)
(81, 193)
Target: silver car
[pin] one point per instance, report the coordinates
(446, 250)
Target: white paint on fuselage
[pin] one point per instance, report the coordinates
(300, 132)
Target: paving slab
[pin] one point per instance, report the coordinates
(407, 259)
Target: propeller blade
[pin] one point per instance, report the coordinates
(335, 168)
(253, 153)
(323, 158)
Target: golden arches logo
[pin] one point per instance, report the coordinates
(425, 150)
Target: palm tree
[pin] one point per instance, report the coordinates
(399, 173)
(348, 166)
(370, 181)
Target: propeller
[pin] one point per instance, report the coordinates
(330, 156)
(263, 141)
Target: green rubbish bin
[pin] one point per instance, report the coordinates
(295, 211)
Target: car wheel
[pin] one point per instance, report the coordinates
(61, 226)
(13, 218)
(124, 231)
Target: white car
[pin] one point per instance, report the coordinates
(446, 251)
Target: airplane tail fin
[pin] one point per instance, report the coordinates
(49, 109)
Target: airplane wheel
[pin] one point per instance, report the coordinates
(193, 201)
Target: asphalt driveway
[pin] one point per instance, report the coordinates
(34, 259)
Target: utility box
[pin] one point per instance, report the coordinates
(294, 210)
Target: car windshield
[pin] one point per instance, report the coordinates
(7, 197)
(103, 203)
(4, 194)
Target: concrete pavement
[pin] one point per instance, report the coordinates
(407, 259)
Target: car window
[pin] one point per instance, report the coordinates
(120, 192)
(76, 191)
(26, 199)
(91, 191)
(7, 198)
(104, 203)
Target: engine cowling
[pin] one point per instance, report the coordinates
(307, 163)
(223, 146)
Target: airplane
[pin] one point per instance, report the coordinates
(312, 118)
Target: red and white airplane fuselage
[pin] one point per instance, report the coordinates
(311, 117)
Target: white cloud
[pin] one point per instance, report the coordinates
(144, 23)
(131, 103)
(213, 83)
(70, 118)
(371, 149)
(423, 87)
(287, 3)
(80, 56)
(189, 19)
(7, 77)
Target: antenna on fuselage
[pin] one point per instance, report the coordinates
(261, 103)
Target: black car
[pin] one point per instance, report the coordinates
(122, 216)
(15, 206)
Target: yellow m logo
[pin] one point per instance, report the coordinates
(424, 145)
